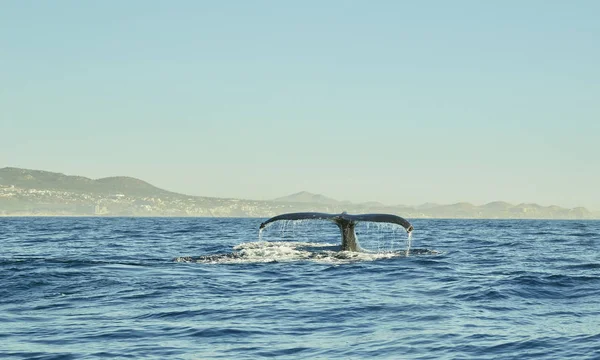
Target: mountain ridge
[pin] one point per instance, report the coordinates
(308, 197)
(145, 196)
(33, 179)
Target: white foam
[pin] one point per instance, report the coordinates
(294, 240)
(282, 251)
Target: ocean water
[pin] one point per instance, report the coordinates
(195, 288)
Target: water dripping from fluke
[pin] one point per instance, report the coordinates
(293, 225)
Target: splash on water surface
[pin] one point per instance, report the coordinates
(310, 240)
(284, 251)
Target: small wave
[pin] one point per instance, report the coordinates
(265, 252)
(584, 266)
(74, 263)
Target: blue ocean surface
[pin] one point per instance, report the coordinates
(207, 288)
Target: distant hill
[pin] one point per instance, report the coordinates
(426, 206)
(493, 210)
(372, 204)
(497, 206)
(307, 197)
(36, 192)
(462, 209)
(46, 180)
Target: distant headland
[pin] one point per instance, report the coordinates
(25, 192)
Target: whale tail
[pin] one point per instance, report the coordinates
(345, 222)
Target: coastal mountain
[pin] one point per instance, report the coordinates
(46, 180)
(35, 192)
(307, 197)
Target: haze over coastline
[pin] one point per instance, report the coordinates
(388, 102)
(25, 192)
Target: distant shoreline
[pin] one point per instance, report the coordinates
(36, 193)
(261, 217)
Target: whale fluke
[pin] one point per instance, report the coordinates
(345, 222)
(385, 218)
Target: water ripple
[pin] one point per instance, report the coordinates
(487, 289)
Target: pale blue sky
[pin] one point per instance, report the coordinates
(398, 102)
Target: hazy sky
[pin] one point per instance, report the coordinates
(391, 101)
